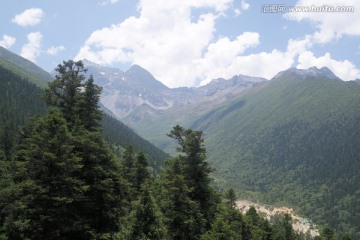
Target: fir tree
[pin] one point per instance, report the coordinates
(76, 97)
(196, 170)
(141, 173)
(183, 217)
(146, 218)
(228, 225)
(327, 234)
(65, 92)
(47, 191)
(103, 204)
(88, 106)
(231, 198)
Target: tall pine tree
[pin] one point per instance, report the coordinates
(47, 191)
(196, 170)
(183, 217)
(76, 97)
(68, 185)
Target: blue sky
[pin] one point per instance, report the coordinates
(188, 42)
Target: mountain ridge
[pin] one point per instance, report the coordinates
(24, 68)
(125, 93)
(310, 72)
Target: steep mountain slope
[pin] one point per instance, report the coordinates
(24, 68)
(151, 108)
(293, 140)
(20, 100)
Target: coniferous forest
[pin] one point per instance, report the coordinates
(60, 179)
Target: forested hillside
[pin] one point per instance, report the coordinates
(20, 99)
(293, 141)
(118, 134)
(24, 68)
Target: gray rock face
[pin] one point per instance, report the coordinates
(136, 93)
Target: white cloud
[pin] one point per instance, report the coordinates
(31, 50)
(30, 17)
(237, 12)
(180, 49)
(55, 50)
(243, 7)
(7, 41)
(155, 39)
(343, 69)
(106, 2)
(330, 25)
(220, 56)
(297, 46)
(264, 64)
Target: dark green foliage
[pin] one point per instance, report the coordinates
(7, 142)
(141, 173)
(24, 68)
(230, 197)
(18, 101)
(47, 192)
(104, 199)
(283, 228)
(327, 234)
(228, 225)
(256, 227)
(67, 184)
(146, 221)
(89, 112)
(220, 230)
(65, 94)
(293, 142)
(128, 161)
(124, 136)
(5, 188)
(196, 169)
(346, 237)
(135, 171)
(183, 217)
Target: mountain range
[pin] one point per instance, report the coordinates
(151, 108)
(290, 140)
(124, 93)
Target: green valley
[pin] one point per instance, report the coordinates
(292, 140)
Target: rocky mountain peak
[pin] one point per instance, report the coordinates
(323, 72)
